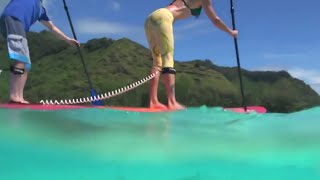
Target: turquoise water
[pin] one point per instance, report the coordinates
(195, 144)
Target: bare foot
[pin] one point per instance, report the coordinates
(17, 100)
(176, 106)
(157, 105)
(24, 101)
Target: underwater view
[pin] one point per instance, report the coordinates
(200, 143)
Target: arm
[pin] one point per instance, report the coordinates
(212, 15)
(59, 33)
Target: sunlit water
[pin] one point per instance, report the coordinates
(195, 144)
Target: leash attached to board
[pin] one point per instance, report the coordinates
(93, 92)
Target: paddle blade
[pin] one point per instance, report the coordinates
(94, 94)
(257, 109)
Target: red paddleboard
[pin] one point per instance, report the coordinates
(257, 109)
(70, 107)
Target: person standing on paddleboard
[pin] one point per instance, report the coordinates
(16, 20)
(159, 31)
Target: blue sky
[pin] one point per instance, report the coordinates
(274, 35)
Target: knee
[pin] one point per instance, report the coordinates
(168, 70)
(17, 70)
(20, 68)
(156, 69)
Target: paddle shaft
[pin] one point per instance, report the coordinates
(238, 57)
(78, 48)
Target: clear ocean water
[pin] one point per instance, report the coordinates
(196, 144)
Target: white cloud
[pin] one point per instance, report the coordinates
(3, 4)
(316, 87)
(310, 53)
(190, 25)
(309, 76)
(48, 4)
(94, 26)
(115, 5)
(312, 76)
(189, 28)
(279, 56)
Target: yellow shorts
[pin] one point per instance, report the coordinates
(159, 31)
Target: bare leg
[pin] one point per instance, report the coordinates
(21, 88)
(14, 88)
(169, 81)
(154, 102)
(17, 83)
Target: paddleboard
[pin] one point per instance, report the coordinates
(258, 109)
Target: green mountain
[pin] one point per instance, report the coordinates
(57, 73)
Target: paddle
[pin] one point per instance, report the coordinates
(238, 58)
(93, 92)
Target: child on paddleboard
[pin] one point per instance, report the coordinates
(16, 20)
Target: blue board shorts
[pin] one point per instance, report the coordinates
(17, 42)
